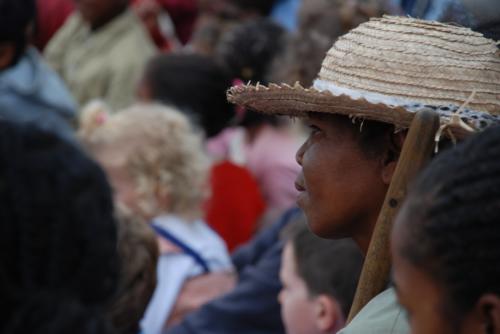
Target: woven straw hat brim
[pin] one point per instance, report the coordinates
(299, 101)
(388, 68)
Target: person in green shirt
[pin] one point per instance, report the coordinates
(101, 51)
(372, 82)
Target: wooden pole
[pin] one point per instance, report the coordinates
(416, 152)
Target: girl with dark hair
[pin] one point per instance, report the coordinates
(58, 250)
(446, 242)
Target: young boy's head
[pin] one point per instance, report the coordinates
(319, 280)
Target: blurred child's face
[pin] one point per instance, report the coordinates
(300, 312)
(124, 185)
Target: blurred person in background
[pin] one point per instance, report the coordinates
(60, 267)
(100, 52)
(138, 251)
(251, 305)
(196, 85)
(320, 23)
(218, 16)
(184, 14)
(29, 90)
(479, 15)
(158, 169)
(266, 145)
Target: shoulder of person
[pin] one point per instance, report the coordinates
(382, 315)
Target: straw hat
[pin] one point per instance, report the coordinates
(391, 67)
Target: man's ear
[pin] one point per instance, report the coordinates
(391, 156)
(488, 308)
(7, 51)
(327, 314)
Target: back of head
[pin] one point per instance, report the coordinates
(449, 222)
(16, 16)
(196, 85)
(330, 267)
(248, 50)
(58, 247)
(138, 251)
(159, 149)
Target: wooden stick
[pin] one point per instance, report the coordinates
(416, 152)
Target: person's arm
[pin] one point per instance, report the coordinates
(252, 306)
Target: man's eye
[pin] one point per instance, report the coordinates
(313, 129)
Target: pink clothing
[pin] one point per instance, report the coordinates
(271, 159)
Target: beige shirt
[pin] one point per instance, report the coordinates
(382, 315)
(106, 64)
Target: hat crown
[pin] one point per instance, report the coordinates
(402, 60)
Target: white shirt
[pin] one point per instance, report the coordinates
(174, 269)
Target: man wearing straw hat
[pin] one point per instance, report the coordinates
(372, 82)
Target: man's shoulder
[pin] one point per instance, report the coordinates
(382, 315)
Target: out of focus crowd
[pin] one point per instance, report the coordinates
(201, 192)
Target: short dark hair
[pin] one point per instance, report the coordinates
(196, 85)
(58, 235)
(450, 222)
(249, 49)
(15, 17)
(138, 250)
(330, 267)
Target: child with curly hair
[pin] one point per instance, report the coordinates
(158, 169)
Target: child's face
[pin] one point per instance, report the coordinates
(123, 184)
(298, 308)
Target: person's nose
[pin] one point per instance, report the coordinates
(299, 156)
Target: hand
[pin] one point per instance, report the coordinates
(200, 290)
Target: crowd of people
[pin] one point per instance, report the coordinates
(219, 166)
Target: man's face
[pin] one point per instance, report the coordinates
(341, 188)
(297, 307)
(99, 12)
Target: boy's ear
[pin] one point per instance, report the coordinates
(327, 314)
(488, 309)
(391, 156)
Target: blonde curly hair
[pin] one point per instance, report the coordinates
(159, 149)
